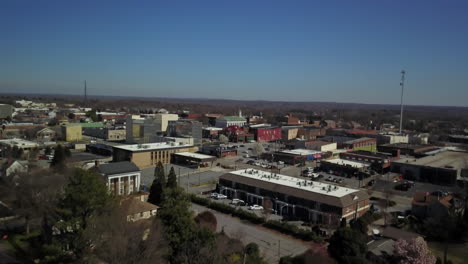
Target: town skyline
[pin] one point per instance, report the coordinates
(309, 51)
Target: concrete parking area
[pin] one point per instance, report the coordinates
(273, 245)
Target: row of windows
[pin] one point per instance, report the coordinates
(281, 197)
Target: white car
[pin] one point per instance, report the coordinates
(221, 196)
(214, 195)
(255, 207)
(236, 201)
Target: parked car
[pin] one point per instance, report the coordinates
(403, 187)
(220, 197)
(255, 207)
(236, 201)
(246, 156)
(371, 183)
(281, 162)
(214, 195)
(330, 179)
(251, 162)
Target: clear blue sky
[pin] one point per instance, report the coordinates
(340, 51)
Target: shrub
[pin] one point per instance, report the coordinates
(220, 207)
(249, 216)
(199, 200)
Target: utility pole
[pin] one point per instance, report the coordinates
(85, 94)
(402, 84)
(279, 249)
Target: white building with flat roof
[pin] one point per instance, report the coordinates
(311, 201)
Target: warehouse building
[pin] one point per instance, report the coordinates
(296, 156)
(148, 155)
(444, 168)
(293, 197)
(407, 149)
(364, 143)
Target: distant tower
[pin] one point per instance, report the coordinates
(240, 112)
(402, 84)
(85, 93)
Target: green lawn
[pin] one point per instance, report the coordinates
(457, 253)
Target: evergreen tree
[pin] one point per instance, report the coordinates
(176, 216)
(158, 185)
(348, 246)
(171, 179)
(58, 161)
(47, 150)
(85, 196)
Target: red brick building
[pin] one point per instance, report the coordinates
(262, 134)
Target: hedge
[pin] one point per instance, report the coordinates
(290, 229)
(283, 227)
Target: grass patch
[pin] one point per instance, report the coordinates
(457, 253)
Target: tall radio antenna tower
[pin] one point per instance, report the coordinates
(85, 94)
(402, 84)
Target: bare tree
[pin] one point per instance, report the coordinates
(223, 139)
(116, 240)
(258, 149)
(267, 208)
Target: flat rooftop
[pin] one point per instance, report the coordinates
(305, 185)
(407, 146)
(18, 142)
(152, 146)
(195, 155)
(301, 152)
(354, 164)
(446, 159)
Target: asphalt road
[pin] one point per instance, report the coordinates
(270, 242)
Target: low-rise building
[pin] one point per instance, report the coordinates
(219, 150)
(378, 161)
(226, 121)
(137, 208)
(46, 134)
(365, 143)
(266, 133)
(122, 178)
(148, 155)
(25, 145)
(343, 167)
(289, 132)
(295, 156)
(436, 206)
(108, 134)
(211, 132)
(314, 202)
(317, 145)
(407, 149)
(444, 168)
(72, 132)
